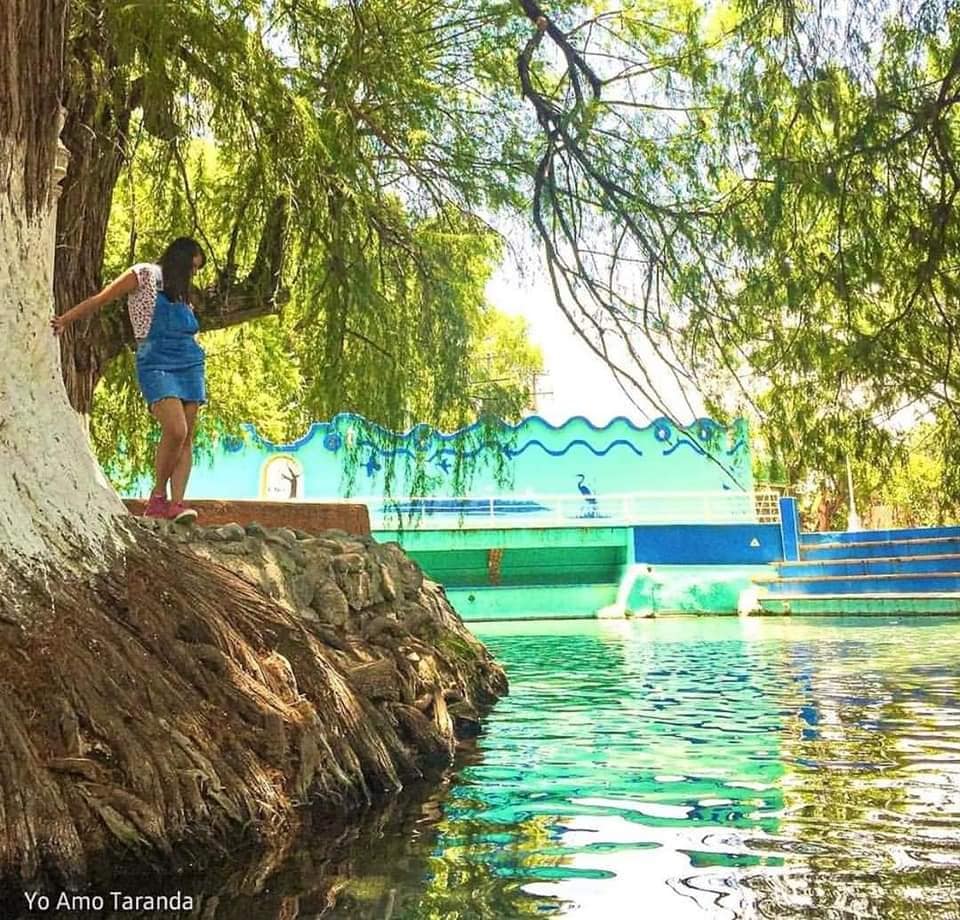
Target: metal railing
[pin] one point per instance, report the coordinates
(535, 511)
(767, 506)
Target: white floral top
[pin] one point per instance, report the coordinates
(142, 299)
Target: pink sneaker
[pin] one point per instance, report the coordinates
(179, 513)
(157, 507)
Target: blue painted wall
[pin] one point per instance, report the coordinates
(707, 544)
(877, 536)
(529, 459)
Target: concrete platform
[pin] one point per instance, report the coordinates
(311, 517)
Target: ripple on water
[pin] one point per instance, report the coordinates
(712, 768)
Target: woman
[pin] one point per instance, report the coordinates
(170, 362)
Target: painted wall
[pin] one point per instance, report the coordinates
(707, 544)
(513, 463)
(691, 590)
(538, 602)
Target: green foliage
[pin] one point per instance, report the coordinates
(416, 340)
(381, 124)
(767, 194)
(832, 270)
(504, 367)
(919, 485)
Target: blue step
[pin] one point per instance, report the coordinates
(879, 549)
(873, 536)
(906, 562)
(920, 583)
(885, 565)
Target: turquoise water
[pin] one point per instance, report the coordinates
(701, 768)
(673, 768)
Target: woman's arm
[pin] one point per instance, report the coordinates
(126, 283)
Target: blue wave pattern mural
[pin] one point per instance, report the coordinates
(524, 463)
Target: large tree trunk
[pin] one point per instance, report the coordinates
(95, 134)
(53, 497)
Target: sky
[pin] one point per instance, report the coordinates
(578, 381)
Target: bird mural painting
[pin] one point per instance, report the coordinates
(589, 497)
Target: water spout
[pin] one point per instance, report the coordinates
(748, 602)
(619, 609)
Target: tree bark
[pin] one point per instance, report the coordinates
(96, 136)
(53, 498)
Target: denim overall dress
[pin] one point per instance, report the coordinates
(170, 362)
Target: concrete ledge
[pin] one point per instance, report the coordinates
(311, 517)
(895, 605)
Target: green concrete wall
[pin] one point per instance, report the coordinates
(531, 602)
(665, 591)
(515, 558)
(415, 541)
(565, 571)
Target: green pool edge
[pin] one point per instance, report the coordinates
(689, 595)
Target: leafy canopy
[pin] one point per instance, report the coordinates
(765, 192)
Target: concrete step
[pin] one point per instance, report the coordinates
(898, 583)
(881, 549)
(892, 604)
(872, 536)
(881, 565)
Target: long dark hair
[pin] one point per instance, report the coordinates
(176, 265)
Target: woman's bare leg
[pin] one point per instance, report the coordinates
(181, 472)
(173, 432)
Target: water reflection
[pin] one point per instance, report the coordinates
(872, 776)
(676, 772)
(726, 768)
(673, 768)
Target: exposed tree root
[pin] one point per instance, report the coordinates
(168, 703)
